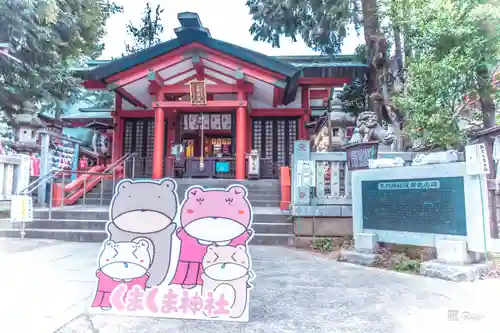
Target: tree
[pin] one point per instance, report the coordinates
(47, 38)
(323, 26)
(148, 33)
(457, 48)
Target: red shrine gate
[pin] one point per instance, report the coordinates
(216, 100)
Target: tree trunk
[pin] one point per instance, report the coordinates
(486, 98)
(488, 110)
(370, 29)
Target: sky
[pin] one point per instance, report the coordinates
(227, 20)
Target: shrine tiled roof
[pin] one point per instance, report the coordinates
(191, 31)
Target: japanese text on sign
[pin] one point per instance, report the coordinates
(411, 185)
(175, 303)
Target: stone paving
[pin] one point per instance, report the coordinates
(49, 285)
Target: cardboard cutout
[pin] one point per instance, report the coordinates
(164, 260)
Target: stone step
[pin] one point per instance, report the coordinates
(183, 184)
(181, 192)
(107, 201)
(258, 227)
(76, 235)
(253, 195)
(103, 215)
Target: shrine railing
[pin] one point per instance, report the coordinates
(14, 176)
(330, 177)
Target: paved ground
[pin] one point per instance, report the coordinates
(48, 286)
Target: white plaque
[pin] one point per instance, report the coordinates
(226, 121)
(476, 159)
(21, 208)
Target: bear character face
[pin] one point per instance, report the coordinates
(216, 215)
(125, 260)
(144, 207)
(226, 263)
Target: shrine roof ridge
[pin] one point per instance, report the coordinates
(190, 31)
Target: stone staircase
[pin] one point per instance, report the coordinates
(85, 221)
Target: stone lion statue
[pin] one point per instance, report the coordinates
(371, 130)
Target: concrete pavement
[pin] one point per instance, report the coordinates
(48, 286)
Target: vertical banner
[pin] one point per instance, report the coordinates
(187, 261)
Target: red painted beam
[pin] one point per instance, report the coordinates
(239, 63)
(129, 97)
(174, 57)
(214, 79)
(155, 82)
(137, 114)
(91, 84)
(325, 81)
(276, 112)
(211, 88)
(143, 70)
(186, 105)
(240, 79)
(198, 66)
(278, 96)
(249, 71)
(188, 79)
(226, 75)
(319, 94)
(305, 100)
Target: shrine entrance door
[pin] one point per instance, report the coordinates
(139, 138)
(274, 138)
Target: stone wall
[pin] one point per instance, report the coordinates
(322, 226)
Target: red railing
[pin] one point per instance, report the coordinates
(86, 182)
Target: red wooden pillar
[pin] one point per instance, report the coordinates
(241, 137)
(303, 135)
(250, 131)
(171, 125)
(117, 138)
(159, 139)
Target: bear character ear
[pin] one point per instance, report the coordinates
(237, 190)
(169, 184)
(194, 191)
(142, 243)
(110, 243)
(123, 185)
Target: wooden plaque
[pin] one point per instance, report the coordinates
(198, 92)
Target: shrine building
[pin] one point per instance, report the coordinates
(193, 103)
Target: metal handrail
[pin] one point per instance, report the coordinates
(39, 179)
(52, 173)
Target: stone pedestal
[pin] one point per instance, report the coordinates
(455, 263)
(365, 250)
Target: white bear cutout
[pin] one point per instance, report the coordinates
(125, 260)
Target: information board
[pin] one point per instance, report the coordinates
(21, 208)
(423, 205)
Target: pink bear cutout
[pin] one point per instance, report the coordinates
(208, 217)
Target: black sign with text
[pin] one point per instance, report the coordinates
(430, 205)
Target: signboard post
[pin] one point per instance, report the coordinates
(21, 211)
(477, 166)
(301, 194)
(477, 162)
